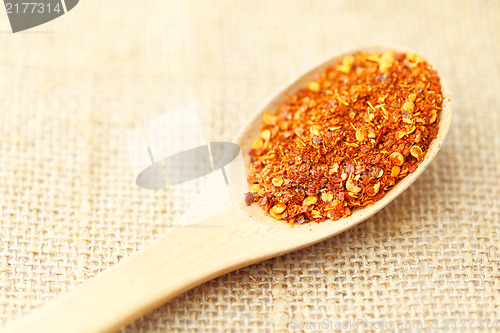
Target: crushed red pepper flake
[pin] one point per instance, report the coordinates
(345, 139)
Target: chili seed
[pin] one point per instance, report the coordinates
(269, 118)
(386, 61)
(347, 63)
(311, 200)
(314, 130)
(334, 169)
(327, 197)
(316, 214)
(266, 134)
(411, 129)
(278, 181)
(351, 187)
(275, 215)
(397, 158)
(313, 86)
(433, 118)
(395, 171)
(409, 106)
(257, 144)
(416, 152)
(255, 188)
(360, 136)
(278, 208)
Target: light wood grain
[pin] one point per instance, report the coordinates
(185, 257)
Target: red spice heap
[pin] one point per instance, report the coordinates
(347, 138)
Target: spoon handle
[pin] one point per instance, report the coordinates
(177, 261)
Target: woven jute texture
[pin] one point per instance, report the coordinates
(73, 89)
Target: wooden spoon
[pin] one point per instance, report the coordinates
(185, 257)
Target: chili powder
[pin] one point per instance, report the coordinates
(347, 138)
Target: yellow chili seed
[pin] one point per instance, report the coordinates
(257, 144)
(316, 214)
(327, 197)
(409, 106)
(416, 152)
(269, 118)
(412, 97)
(266, 134)
(395, 171)
(414, 57)
(349, 185)
(411, 129)
(311, 200)
(397, 158)
(313, 86)
(314, 129)
(333, 169)
(278, 181)
(360, 136)
(347, 63)
(255, 188)
(386, 61)
(278, 208)
(400, 135)
(433, 117)
(275, 215)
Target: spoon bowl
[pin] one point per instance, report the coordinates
(185, 257)
(251, 132)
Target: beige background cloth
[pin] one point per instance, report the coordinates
(72, 90)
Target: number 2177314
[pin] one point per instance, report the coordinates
(32, 8)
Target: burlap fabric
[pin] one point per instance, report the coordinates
(71, 91)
